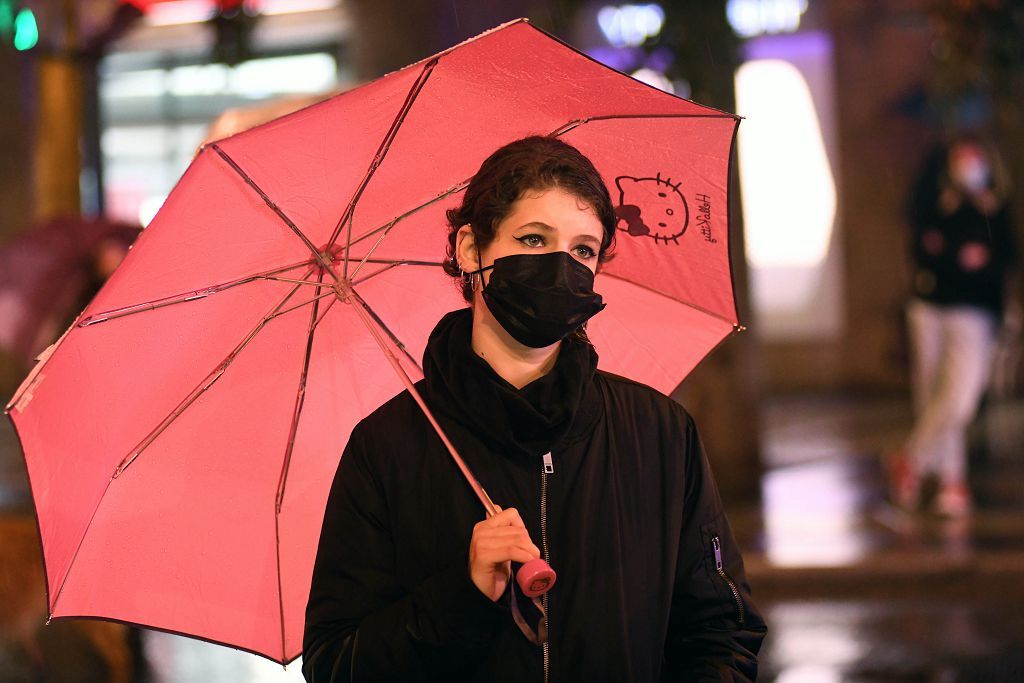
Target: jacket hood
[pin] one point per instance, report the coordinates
(548, 413)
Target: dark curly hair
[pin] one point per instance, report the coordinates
(537, 162)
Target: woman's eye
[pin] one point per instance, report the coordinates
(531, 240)
(585, 252)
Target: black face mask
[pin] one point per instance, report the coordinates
(540, 299)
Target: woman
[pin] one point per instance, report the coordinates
(603, 477)
(963, 249)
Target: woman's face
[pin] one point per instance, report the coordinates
(540, 221)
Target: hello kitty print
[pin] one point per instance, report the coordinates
(656, 208)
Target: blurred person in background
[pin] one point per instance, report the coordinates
(48, 275)
(963, 253)
(99, 264)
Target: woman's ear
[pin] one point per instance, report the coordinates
(465, 248)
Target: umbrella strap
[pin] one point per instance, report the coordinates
(538, 637)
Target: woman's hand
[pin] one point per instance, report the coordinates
(496, 541)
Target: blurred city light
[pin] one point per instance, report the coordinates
(655, 78)
(294, 6)
(145, 149)
(179, 12)
(6, 19)
(789, 195)
(26, 32)
(630, 25)
(149, 207)
(754, 17)
(175, 12)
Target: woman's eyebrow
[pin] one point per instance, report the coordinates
(547, 228)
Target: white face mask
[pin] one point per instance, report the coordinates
(971, 175)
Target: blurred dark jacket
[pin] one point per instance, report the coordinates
(939, 276)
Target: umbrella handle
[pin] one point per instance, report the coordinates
(535, 577)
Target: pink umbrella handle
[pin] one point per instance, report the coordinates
(535, 578)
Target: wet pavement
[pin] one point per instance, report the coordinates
(853, 589)
(892, 639)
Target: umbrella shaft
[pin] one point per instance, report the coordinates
(347, 294)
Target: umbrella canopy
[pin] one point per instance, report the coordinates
(182, 436)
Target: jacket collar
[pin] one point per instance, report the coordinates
(547, 414)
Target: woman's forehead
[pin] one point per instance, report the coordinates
(554, 210)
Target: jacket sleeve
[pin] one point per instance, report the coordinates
(361, 623)
(715, 630)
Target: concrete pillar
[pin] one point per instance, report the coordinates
(15, 139)
(58, 131)
(58, 159)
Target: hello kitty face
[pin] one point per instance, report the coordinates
(651, 207)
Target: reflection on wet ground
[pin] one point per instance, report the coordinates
(853, 588)
(893, 640)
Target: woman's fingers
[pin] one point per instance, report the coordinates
(501, 554)
(509, 517)
(502, 543)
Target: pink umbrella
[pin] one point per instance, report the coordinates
(181, 438)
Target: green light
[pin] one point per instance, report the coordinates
(26, 33)
(6, 18)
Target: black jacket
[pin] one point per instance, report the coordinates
(939, 277)
(633, 522)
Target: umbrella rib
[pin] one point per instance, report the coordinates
(326, 309)
(320, 258)
(300, 400)
(365, 313)
(397, 219)
(395, 264)
(304, 303)
(194, 295)
(569, 125)
(735, 325)
(314, 283)
(382, 151)
(205, 384)
(369, 253)
(380, 323)
(173, 632)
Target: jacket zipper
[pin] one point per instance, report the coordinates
(549, 468)
(721, 572)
